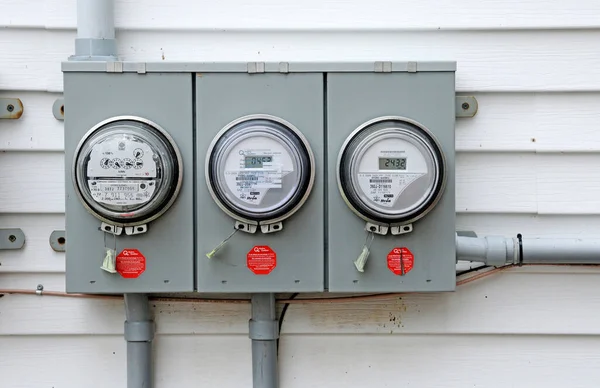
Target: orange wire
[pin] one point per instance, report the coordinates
(343, 299)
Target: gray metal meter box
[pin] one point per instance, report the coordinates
(260, 172)
(129, 181)
(391, 200)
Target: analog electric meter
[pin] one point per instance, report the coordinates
(127, 171)
(259, 170)
(391, 171)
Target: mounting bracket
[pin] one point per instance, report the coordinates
(10, 108)
(11, 239)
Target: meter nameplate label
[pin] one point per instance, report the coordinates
(385, 188)
(251, 172)
(122, 192)
(121, 157)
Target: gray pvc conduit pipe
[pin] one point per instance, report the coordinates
(498, 251)
(139, 333)
(95, 31)
(264, 332)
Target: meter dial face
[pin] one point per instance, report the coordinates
(391, 170)
(127, 171)
(260, 168)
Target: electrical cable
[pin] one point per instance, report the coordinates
(471, 270)
(282, 316)
(343, 299)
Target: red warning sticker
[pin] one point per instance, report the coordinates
(261, 260)
(400, 260)
(130, 263)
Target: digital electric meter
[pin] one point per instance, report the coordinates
(260, 170)
(391, 171)
(127, 171)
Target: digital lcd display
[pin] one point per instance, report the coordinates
(256, 161)
(392, 163)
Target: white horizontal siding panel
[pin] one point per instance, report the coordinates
(513, 302)
(30, 13)
(100, 361)
(36, 255)
(505, 122)
(37, 129)
(487, 60)
(569, 184)
(537, 122)
(34, 182)
(496, 183)
(567, 122)
(308, 361)
(439, 361)
(531, 225)
(325, 14)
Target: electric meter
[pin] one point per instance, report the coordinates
(260, 170)
(127, 171)
(391, 171)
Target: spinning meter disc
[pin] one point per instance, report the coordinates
(260, 168)
(127, 171)
(391, 170)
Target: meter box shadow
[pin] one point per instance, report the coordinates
(260, 182)
(129, 182)
(391, 192)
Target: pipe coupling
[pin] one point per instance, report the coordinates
(88, 49)
(142, 331)
(264, 330)
(497, 252)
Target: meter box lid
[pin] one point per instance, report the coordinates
(391, 200)
(260, 194)
(129, 198)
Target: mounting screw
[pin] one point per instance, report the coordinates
(40, 287)
(10, 107)
(12, 238)
(465, 105)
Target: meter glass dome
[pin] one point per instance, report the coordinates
(260, 168)
(127, 171)
(391, 170)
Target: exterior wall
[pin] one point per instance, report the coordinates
(527, 163)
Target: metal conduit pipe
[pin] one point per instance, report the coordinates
(95, 31)
(139, 333)
(498, 251)
(264, 332)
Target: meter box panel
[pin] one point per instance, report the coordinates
(260, 182)
(129, 182)
(391, 200)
